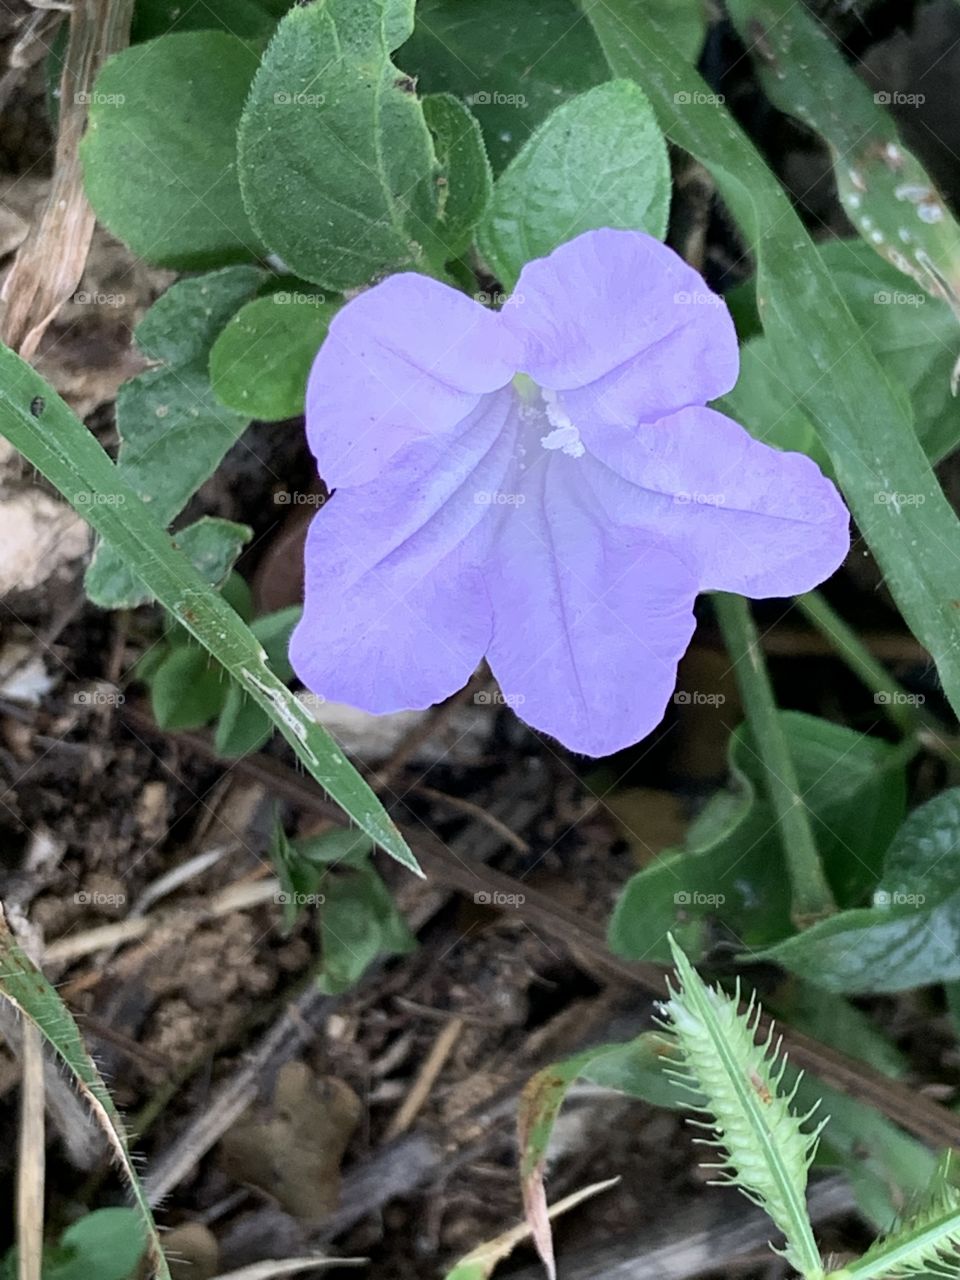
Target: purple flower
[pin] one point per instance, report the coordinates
(542, 486)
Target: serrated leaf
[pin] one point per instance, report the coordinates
(173, 431)
(465, 179)
(260, 362)
(159, 156)
(599, 160)
(764, 1149)
(337, 166)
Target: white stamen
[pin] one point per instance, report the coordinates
(564, 435)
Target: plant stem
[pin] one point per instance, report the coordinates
(811, 896)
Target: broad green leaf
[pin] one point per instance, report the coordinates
(187, 689)
(107, 1244)
(860, 419)
(260, 362)
(28, 990)
(212, 546)
(908, 938)
(337, 166)
(465, 181)
(764, 1145)
(597, 161)
(358, 923)
(173, 431)
(159, 152)
(764, 403)
(512, 63)
(731, 868)
(886, 192)
(36, 422)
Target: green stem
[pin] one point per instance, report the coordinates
(901, 707)
(811, 897)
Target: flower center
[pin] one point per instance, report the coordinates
(544, 411)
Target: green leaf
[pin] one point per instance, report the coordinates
(886, 192)
(187, 690)
(842, 388)
(159, 152)
(260, 362)
(173, 432)
(28, 990)
(908, 937)
(765, 1150)
(107, 1244)
(512, 63)
(597, 161)
(465, 180)
(359, 923)
(212, 546)
(36, 421)
(764, 404)
(731, 867)
(337, 166)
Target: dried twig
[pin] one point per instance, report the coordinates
(31, 1167)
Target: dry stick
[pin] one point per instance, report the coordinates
(51, 260)
(436, 1059)
(30, 1173)
(900, 1103)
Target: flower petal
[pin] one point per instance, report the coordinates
(396, 615)
(748, 518)
(590, 620)
(405, 360)
(621, 324)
